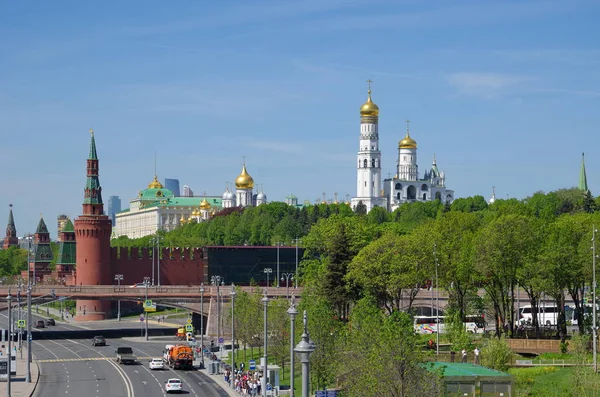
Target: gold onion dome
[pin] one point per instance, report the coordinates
(155, 184)
(182, 220)
(204, 205)
(369, 108)
(244, 181)
(195, 212)
(407, 142)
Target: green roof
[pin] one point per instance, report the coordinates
(155, 194)
(182, 202)
(43, 253)
(11, 222)
(93, 155)
(69, 228)
(42, 228)
(582, 176)
(465, 370)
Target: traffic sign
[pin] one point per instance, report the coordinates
(189, 328)
(150, 308)
(21, 323)
(252, 365)
(221, 340)
(141, 319)
(148, 303)
(189, 320)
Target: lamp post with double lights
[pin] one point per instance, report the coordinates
(119, 278)
(216, 281)
(158, 259)
(201, 290)
(297, 241)
(287, 277)
(292, 311)
(20, 285)
(146, 285)
(437, 303)
(263, 387)
(232, 293)
(304, 349)
(268, 271)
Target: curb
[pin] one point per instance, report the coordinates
(37, 379)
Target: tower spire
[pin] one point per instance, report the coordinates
(10, 238)
(93, 155)
(583, 186)
(93, 190)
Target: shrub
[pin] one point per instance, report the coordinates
(497, 354)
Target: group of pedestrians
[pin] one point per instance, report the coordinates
(245, 383)
(476, 353)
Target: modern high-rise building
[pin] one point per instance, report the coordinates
(173, 185)
(114, 206)
(187, 192)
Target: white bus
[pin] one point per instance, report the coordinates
(547, 315)
(430, 324)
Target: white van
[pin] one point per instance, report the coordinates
(547, 315)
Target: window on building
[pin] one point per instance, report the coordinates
(398, 186)
(366, 163)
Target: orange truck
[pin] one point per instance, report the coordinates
(180, 356)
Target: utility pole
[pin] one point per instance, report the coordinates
(158, 258)
(202, 322)
(9, 350)
(263, 387)
(437, 304)
(232, 293)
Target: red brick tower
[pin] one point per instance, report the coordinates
(92, 235)
(11, 238)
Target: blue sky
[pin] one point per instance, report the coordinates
(505, 93)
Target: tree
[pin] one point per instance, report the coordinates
(382, 356)
(360, 208)
(497, 354)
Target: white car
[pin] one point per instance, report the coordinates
(157, 363)
(173, 385)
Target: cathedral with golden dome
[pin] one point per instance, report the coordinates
(157, 208)
(406, 186)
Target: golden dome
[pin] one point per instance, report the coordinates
(195, 212)
(369, 108)
(204, 205)
(155, 184)
(407, 142)
(244, 181)
(182, 220)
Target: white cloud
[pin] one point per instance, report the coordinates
(487, 85)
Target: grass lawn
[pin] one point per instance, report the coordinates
(555, 382)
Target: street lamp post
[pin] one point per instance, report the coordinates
(287, 277)
(278, 245)
(119, 278)
(268, 271)
(146, 284)
(153, 241)
(263, 387)
(20, 330)
(292, 311)
(216, 280)
(304, 349)
(437, 304)
(9, 352)
(202, 322)
(158, 259)
(29, 355)
(232, 293)
(296, 240)
(594, 325)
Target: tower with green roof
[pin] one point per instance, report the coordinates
(65, 262)
(92, 236)
(10, 239)
(40, 265)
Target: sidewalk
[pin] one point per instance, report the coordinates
(19, 387)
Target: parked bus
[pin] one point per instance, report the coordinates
(547, 315)
(430, 324)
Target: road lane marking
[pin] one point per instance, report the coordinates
(66, 360)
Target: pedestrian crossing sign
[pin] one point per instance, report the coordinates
(21, 323)
(148, 303)
(189, 328)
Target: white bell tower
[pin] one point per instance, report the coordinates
(368, 176)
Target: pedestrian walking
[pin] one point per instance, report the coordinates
(476, 359)
(464, 355)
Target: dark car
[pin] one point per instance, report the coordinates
(50, 321)
(40, 324)
(98, 341)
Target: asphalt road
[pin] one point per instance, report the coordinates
(75, 368)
